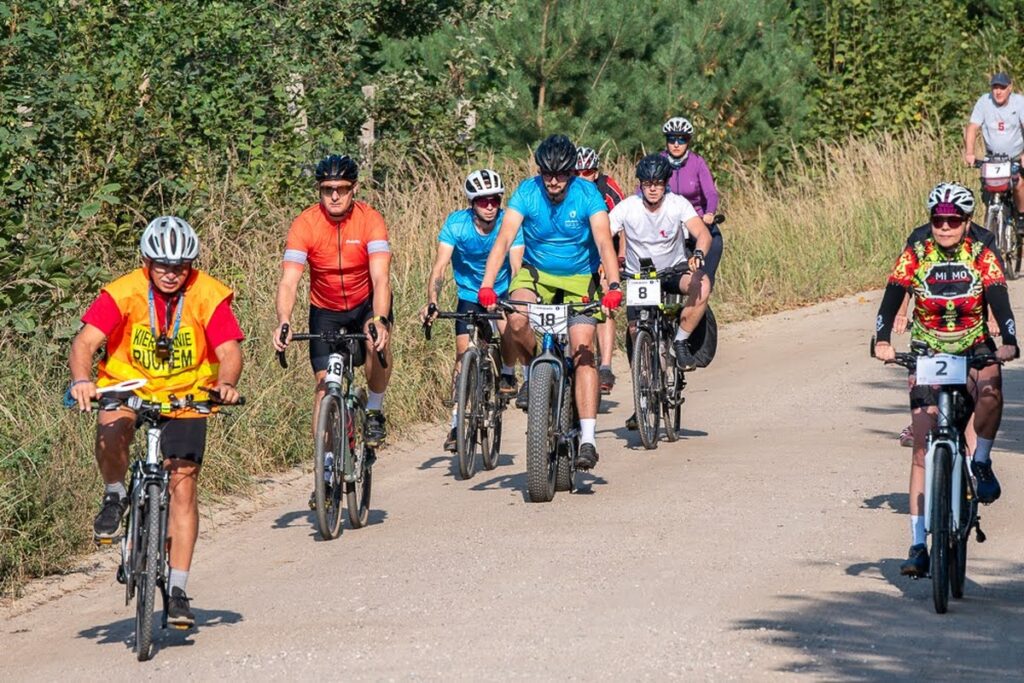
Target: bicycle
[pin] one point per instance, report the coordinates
(658, 382)
(950, 501)
(1000, 209)
(552, 424)
(478, 402)
(340, 425)
(144, 564)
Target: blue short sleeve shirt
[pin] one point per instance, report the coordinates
(471, 249)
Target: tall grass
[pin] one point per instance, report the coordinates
(831, 227)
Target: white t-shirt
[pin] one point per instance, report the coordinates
(659, 236)
(1000, 126)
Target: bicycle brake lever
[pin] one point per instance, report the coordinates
(283, 338)
(380, 354)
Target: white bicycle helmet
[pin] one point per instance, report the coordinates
(587, 159)
(483, 183)
(952, 193)
(170, 240)
(677, 125)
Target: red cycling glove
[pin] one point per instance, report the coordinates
(487, 297)
(612, 299)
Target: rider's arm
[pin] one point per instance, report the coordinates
(229, 370)
(83, 349)
(708, 189)
(288, 285)
(515, 258)
(510, 225)
(380, 277)
(701, 233)
(999, 301)
(435, 283)
(896, 290)
(601, 230)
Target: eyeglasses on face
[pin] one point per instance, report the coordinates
(678, 139)
(175, 268)
(560, 177)
(652, 184)
(487, 202)
(952, 222)
(342, 190)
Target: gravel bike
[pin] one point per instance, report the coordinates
(950, 501)
(658, 382)
(144, 565)
(552, 424)
(479, 403)
(342, 460)
(1000, 209)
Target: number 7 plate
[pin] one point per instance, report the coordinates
(549, 319)
(643, 292)
(942, 369)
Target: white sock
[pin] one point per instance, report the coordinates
(178, 579)
(508, 370)
(526, 373)
(375, 400)
(917, 535)
(682, 335)
(588, 425)
(117, 488)
(455, 416)
(983, 451)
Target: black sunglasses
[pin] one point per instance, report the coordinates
(678, 139)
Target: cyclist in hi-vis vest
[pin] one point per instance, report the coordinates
(172, 325)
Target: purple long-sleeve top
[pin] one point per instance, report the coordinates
(693, 180)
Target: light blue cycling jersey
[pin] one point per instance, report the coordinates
(471, 249)
(557, 236)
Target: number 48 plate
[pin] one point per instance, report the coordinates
(942, 369)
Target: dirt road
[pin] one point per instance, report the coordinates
(764, 544)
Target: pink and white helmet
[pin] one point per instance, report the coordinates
(954, 195)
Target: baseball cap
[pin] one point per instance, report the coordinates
(1001, 78)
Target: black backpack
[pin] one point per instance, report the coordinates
(704, 340)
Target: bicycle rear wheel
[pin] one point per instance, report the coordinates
(358, 454)
(541, 451)
(490, 433)
(646, 401)
(672, 398)
(565, 465)
(469, 408)
(940, 513)
(958, 557)
(327, 466)
(149, 564)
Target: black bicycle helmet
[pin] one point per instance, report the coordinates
(557, 154)
(337, 167)
(654, 167)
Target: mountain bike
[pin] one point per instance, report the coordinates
(658, 382)
(1000, 210)
(340, 429)
(552, 424)
(479, 403)
(144, 565)
(950, 502)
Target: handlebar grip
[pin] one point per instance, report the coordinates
(427, 326)
(283, 338)
(719, 218)
(380, 354)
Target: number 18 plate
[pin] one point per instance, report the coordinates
(942, 369)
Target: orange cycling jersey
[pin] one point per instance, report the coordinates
(338, 254)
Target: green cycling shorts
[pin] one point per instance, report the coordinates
(560, 289)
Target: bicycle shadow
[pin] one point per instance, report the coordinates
(307, 518)
(452, 461)
(585, 482)
(633, 442)
(898, 503)
(122, 631)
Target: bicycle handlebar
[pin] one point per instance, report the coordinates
(143, 407)
(581, 307)
(471, 316)
(331, 338)
(909, 360)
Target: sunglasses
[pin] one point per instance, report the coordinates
(560, 177)
(651, 184)
(487, 202)
(953, 222)
(342, 190)
(678, 139)
(586, 173)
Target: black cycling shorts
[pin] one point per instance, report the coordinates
(351, 321)
(714, 256)
(183, 439)
(669, 285)
(462, 326)
(924, 396)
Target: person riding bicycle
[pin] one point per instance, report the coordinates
(953, 278)
(999, 115)
(466, 239)
(588, 167)
(172, 325)
(692, 179)
(565, 233)
(345, 243)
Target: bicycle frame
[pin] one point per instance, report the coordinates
(948, 434)
(338, 384)
(145, 472)
(553, 354)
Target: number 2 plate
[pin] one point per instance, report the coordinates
(549, 319)
(942, 369)
(643, 293)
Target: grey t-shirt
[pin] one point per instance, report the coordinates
(1000, 126)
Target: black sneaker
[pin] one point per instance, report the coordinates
(684, 359)
(507, 385)
(631, 423)
(375, 431)
(607, 379)
(523, 397)
(451, 444)
(107, 524)
(328, 497)
(587, 457)
(917, 563)
(988, 486)
(178, 613)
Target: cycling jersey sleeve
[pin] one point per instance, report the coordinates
(520, 202)
(223, 326)
(707, 187)
(999, 301)
(612, 193)
(900, 282)
(518, 241)
(296, 249)
(617, 218)
(377, 243)
(103, 314)
(447, 235)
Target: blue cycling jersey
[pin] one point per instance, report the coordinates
(470, 253)
(557, 237)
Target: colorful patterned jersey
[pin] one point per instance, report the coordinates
(949, 291)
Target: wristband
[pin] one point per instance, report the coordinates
(382, 320)
(77, 382)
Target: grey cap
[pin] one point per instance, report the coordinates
(1002, 78)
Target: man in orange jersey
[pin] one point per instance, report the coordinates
(171, 325)
(345, 243)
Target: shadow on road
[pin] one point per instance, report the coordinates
(895, 502)
(123, 631)
(585, 482)
(307, 518)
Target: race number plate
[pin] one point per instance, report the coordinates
(643, 293)
(990, 171)
(334, 369)
(549, 319)
(941, 369)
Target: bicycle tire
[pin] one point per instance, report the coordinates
(940, 513)
(565, 465)
(1010, 239)
(541, 453)
(672, 396)
(646, 401)
(145, 599)
(490, 433)
(468, 399)
(958, 557)
(327, 479)
(357, 493)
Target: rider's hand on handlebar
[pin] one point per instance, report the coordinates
(225, 393)
(1005, 353)
(278, 346)
(428, 313)
(487, 298)
(383, 335)
(884, 351)
(708, 218)
(611, 299)
(969, 158)
(84, 393)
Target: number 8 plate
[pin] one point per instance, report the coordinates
(548, 319)
(942, 369)
(643, 293)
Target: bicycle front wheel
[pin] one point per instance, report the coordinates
(149, 564)
(327, 466)
(541, 451)
(940, 528)
(358, 454)
(958, 556)
(469, 413)
(646, 401)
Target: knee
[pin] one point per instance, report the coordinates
(583, 356)
(519, 324)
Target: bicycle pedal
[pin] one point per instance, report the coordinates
(180, 627)
(120, 576)
(106, 541)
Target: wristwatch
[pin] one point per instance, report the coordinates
(613, 287)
